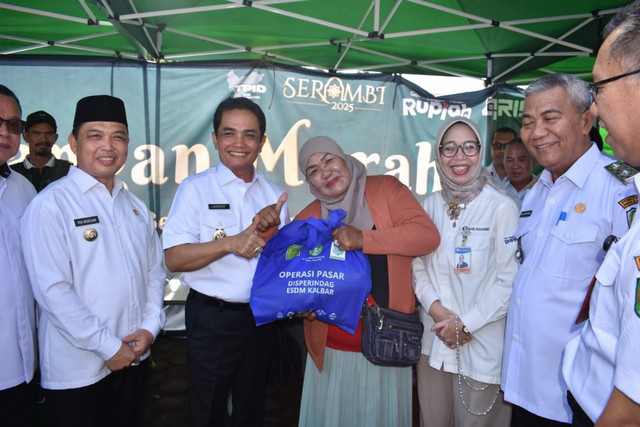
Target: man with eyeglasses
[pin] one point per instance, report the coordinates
(565, 218)
(498, 141)
(601, 364)
(41, 167)
(17, 317)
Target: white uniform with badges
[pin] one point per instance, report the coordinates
(17, 318)
(95, 264)
(605, 354)
(562, 228)
(216, 203)
(491, 169)
(517, 196)
(479, 292)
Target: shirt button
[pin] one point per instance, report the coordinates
(540, 233)
(569, 236)
(516, 338)
(518, 302)
(551, 201)
(528, 268)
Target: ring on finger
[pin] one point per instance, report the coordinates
(258, 249)
(336, 243)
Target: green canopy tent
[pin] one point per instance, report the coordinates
(497, 40)
(161, 55)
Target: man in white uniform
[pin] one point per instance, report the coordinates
(217, 227)
(498, 141)
(95, 263)
(518, 163)
(564, 220)
(17, 319)
(601, 365)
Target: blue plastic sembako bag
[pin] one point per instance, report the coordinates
(300, 270)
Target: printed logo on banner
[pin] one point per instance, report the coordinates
(503, 108)
(339, 95)
(246, 86)
(437, 108)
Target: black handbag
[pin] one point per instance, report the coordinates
(389, 337)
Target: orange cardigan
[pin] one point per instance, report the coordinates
(403, 231)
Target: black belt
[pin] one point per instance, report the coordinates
(217, 302)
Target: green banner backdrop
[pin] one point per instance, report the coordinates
(385, 121)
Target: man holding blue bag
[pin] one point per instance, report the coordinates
(218, 225)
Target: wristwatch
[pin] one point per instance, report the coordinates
(465, 329)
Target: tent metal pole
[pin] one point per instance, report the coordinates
(289, 46)
(105, 4)
(205, 53)
(391, 14)
(88, 11)
(96, 50)
(171, 12)
(23, 49)
(309, 19)
(349, 41)
(43, 13)
(92, 36)
(436, 30)
(207, 39)
(452, 11)
(157, 45)
(376, 16)
(546, 38)
(440, 60)
(547, 19)
(574, 29)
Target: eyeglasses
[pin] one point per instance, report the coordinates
(593, 87)
(469, 148)
(498, 145)
(13, 125)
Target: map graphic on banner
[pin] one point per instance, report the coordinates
(385, 121)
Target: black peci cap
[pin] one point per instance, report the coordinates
(100, 108)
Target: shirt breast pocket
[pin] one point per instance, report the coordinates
(217, 225)
(479, 240)
(565, 258)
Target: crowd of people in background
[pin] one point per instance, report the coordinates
(528, 285)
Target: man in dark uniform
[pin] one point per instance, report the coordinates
(41, 167)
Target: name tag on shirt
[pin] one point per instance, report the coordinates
(86, 221)
(214, 206)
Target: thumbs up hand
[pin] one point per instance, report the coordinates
(248, 244)
(270, 216)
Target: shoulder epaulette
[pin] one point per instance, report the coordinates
(621, 170)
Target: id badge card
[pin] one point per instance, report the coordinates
(462, 258)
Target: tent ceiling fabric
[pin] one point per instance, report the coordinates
(499, 40)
